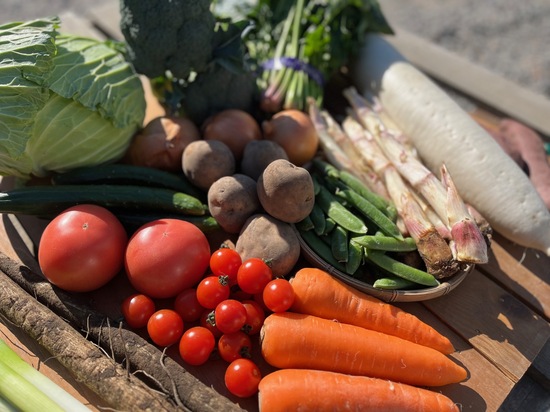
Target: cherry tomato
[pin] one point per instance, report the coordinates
(212, 290)
(196, 345)
(137, 309)
(82, 248)
(207, 320)
(166, 256)
(255, 316)
(230, 316)
(235, 345)
(165, 327)
(226, 262)
(278, 295)
(188, 306)
(253, 275)
(242, 377)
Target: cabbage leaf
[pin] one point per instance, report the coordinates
(65, 101)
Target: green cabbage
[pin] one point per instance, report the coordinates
(65, 101)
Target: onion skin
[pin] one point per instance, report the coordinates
(233, 127)
(161, 143)
(293, 130)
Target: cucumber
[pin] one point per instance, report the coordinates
(134, 220)
(122, 174)
(51, 200)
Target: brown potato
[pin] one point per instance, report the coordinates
(258, 154)
(232, 200)
(270, 239)
(205, 161)
(286, 191)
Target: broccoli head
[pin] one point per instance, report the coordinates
(164, 36)
(217, 89)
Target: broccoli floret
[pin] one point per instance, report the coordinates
(173, 36)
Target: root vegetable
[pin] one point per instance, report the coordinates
(234, 127)
(205, 161)
(294, 131)
(269, 239)
(258, 154)
(318, 293)
(286, 191)
(232, 200)
(313, 390)
(295, 340)
(485, 176)
(161, 143)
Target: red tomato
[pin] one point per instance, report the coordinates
(188, 306)
(235, 345)
(230, 316)
(226, 262)
(166, 256)
(255, 316)
(211, 291)
(207, 320)
(196, 345)
(253, 275)
(278, 295)
(82, 248)
(137, 309)
(165, 327)
(242, 378)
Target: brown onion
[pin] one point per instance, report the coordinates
(161, 142)
(233, 127)
(293, 130)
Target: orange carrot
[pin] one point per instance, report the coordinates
(295, 340)
(316, 391)
(320, 294)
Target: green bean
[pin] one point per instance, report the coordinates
(339, 244)
(317, 217)
(393, 283)
(340, 214)
(400, 269)
(386, 243)
(355, 258)
(321, 249)
(370, 211)
(305, 224)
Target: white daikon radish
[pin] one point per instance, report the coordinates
(442, 132)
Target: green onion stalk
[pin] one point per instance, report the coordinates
(298, 45)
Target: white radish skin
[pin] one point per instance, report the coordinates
(443, 132)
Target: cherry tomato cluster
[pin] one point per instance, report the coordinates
(219, 316)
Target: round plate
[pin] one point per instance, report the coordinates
(386, 295)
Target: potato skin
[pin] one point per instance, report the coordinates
(205, 161)
(286, 191)
(258, 154)
(232, 200)
(268, 238)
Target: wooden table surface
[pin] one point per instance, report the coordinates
(498, 318)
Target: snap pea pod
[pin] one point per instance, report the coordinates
(321, 249)
(305, 224)
(339, 244)
(330, 224)
(400, 269)
(340, 214)
(372, 213)
(379, 202)
(386, 243)
(355, 258)
(394, 283)
(317, 217)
